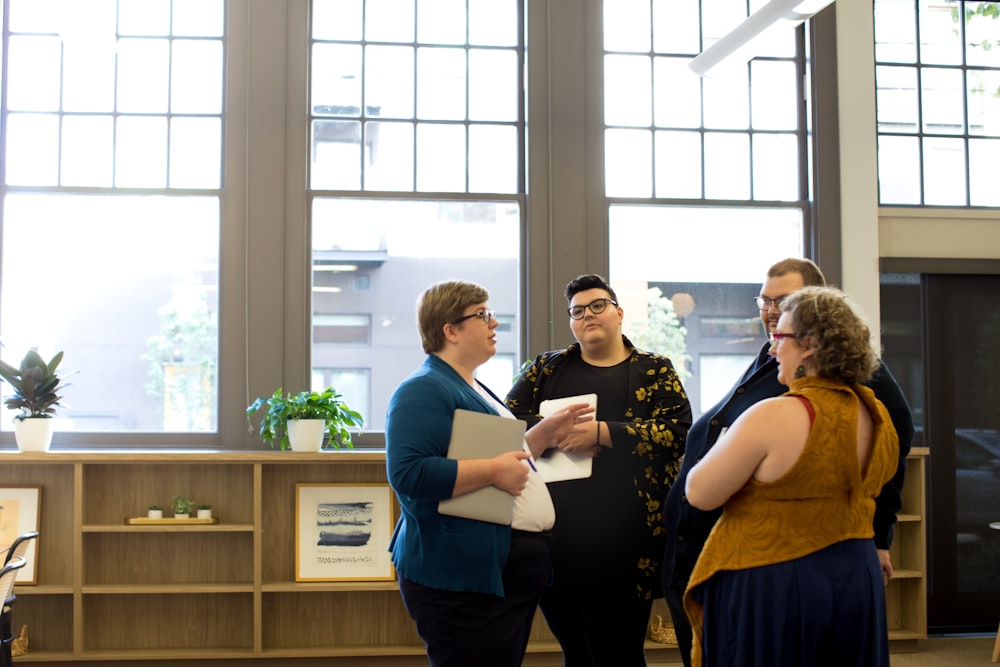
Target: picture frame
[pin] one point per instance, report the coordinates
(342, 532)
(20, 512)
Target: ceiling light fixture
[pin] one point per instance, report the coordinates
(743, 42)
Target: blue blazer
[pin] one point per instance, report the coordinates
(429, 548)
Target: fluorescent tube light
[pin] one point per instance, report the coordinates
(741, 43)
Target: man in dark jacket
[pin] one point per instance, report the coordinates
(687, 528)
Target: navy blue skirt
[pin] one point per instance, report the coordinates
(827, 608)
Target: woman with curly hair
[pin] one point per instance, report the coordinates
(789, 574)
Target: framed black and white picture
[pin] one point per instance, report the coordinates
(343, 532)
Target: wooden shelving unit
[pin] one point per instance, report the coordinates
(906, 594)
(111, 591)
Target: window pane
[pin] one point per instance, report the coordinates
(354, 384)
(32, 149)
(144, 17)
(628, 161)
(336, 155)
(984, 102)
(336, 79)
(981, 34)
(944, 172)
(984, 156)
(677, 91)
(493, 159)
(143, 67)
(493, 85)
(895, 32)
(675, 27)
(493, 22)
(627, 91)
(388, 251)
(727, 103)
(388, 81)
(33, 74)
(942, 106)
(441, 21)
(774, 95)
(626, 26)
(898, 170)
(388, 157)
(897, 101)
(196, 77)
(441, 84)
(440, 158)
(775, 167)
(678, 165)
(198, 18)
(940, 41)
(727, 166)
(389, 20)
(87, 151)
(140, 328)
(337, 19)
(195, 152)
(141, 152)
(89, 81)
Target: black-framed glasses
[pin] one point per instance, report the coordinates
(485, 315)
(596, 306)
(765, 302)
(778, 336)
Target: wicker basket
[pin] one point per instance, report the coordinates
(662, 631)
(19, 645)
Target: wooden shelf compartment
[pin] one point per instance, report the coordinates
(149, 558)
(208, 622)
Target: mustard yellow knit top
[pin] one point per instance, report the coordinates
(823, 499)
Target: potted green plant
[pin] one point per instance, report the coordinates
(36, 394)
(204, 511)
(154, 512)
(325, 413)
(182, 507)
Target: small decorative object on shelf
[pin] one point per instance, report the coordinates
(285, 414)
(154, 512)
(204, 511)
(36, 395)
(182, 507)
(19, 645)
(662, 632)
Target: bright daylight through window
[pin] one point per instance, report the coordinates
(111, 182)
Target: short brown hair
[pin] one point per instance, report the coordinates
(442, 303)
(841, 340)
(811, 275)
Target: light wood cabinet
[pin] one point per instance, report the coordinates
(906, 594)
(111, 591)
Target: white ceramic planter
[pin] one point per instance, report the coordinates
(154, 514)
(306, 435)
(33, 434)
(205, 513)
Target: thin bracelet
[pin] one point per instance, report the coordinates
(598, 436)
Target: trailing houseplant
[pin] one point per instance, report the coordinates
(36, 387)
(328, 406)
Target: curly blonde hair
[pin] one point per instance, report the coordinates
(839, 336)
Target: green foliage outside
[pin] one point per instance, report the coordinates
(662, 332)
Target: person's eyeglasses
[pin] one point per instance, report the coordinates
(485, 315)
(596, 306)
(778, 336)
(765, 302)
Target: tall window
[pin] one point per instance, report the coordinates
(938, 79)
(704, 182)
(110, 185)
(416, 125)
